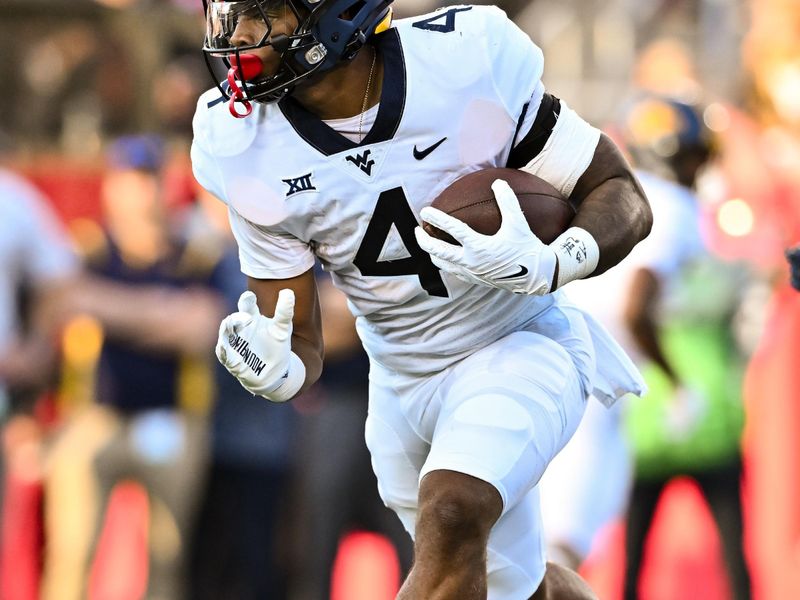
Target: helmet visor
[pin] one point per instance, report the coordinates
(224, 18)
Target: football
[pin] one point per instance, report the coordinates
(471, 200)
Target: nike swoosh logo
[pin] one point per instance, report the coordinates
(420, 154)
(523, 270)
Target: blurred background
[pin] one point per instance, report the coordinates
(133, 467)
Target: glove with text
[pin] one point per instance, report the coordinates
(512, 259)
(257, 350)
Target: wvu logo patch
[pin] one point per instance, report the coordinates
(299, 184)
(362, 161)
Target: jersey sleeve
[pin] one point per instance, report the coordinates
(675, 239)
(551, 140)
(516, 63)
(47, 254)
(204, 166)
(675, 242)
(266, 253)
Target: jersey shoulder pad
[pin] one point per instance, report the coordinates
(481, 37)
(219, 133)
(472, 22)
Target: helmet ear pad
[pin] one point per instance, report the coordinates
(343, 26)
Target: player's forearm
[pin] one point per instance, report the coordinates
(618, 217)
(641, 301)
(645, 334)
(611, 205)
(311, 354)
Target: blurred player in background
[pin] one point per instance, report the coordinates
(345, 107)
(37, 270)
(38, 266)
(149, 290)
(679, 314)
(691, 420)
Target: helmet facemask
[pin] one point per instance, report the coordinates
(299, 53)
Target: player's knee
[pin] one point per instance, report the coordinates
(458, 507)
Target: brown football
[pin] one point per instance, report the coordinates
(471, 200)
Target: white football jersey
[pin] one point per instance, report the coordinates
(34, 249)
(456, 84)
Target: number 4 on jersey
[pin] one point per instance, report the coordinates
(449, 18)
(393, 209)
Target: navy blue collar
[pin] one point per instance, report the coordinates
(393, 99)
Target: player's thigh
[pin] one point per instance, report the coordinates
(587, 484)
(397, 452)
(505, 412)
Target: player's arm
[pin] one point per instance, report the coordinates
(554, 143)
(613, 213)
(273, 344)
(28, 361)
(611, 205)
(639, 314)
(307, 322)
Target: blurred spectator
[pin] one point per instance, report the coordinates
(236, 552)
(793, 256)
(175, 90)
(37, 267)
(148, 289)
(336, 488)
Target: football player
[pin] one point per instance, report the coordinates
(331, 136)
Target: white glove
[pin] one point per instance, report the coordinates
(257, 350)
(512, 259)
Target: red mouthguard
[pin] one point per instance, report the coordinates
(251, 67)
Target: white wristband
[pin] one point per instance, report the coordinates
(577, 253)
(291, 383)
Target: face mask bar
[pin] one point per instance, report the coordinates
(244, 83)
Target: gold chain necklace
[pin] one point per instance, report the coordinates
(366, 95)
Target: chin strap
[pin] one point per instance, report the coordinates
(250, 67)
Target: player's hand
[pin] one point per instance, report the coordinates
(685, 412)
(512, 259)
(257, 350)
